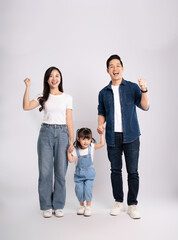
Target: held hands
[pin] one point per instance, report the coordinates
(70, 148)
(101, 129)
(142, 84)
(27, 82)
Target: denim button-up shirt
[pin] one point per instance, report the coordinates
(130, 97)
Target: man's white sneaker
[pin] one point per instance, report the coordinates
(117, 209)
(81, 210)
(59, 213)
(133, 212)
(87, 212)
(47, 213)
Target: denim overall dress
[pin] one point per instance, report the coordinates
(84, 176)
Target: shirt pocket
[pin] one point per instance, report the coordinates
(129, 98)
(108, 101)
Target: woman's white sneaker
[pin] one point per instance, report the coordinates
(47, 213)
(133, 212)
(81, 210)
(87, 212)
(59, 213)
(117, 209)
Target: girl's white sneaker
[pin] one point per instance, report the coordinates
(47, 213)
(59, 213)
(81, 210)
(87, 212)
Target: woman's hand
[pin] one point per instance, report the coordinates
(27, 82)
(27, 104)
(71, 147)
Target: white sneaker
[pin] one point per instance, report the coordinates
(117, 209)
(81, 210)
(133, 212)
(47, 213)
(59, 213)
(87, 212)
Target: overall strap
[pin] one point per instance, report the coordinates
(89, 149)
(77, 150)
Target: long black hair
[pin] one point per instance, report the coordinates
(46, 88)
(83, 133)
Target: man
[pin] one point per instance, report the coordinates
(117, 107)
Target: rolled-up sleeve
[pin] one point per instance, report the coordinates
(101, 109)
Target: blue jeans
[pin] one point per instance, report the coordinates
(52, 147)
(131, 152)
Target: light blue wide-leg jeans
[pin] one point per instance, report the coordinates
(52, 147)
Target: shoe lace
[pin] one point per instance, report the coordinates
(48, 211)
(133, 208)
(117, 204)
(59, 210)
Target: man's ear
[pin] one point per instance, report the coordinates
(78, 139)
(107, 70)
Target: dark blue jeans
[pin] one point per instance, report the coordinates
(131, 153)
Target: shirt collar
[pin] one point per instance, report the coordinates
(122, 83)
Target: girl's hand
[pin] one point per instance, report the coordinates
(27, 82)
(71, 148)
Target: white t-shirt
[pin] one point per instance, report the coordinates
(83, 152)
(55, 108)
(117, 110)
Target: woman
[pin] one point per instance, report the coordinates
(55, 137)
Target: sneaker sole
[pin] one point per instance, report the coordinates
(47, 216)
(121, 212)
(134, 217)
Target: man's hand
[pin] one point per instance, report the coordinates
(142, 84)
(100, 129)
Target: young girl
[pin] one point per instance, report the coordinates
(56, 135)
(84, 173)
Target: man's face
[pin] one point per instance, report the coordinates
(115, 70)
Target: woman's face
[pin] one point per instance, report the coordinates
(54, 79)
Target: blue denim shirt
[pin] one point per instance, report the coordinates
(130, 97)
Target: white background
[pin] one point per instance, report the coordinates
(78, 37)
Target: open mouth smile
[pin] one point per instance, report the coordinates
(54, 83)
(116, 73)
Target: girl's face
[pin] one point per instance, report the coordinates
(84, 142)
(54, 79)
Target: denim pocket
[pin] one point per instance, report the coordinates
(108, 102)
(129, 98)
(65, 130)
(43, 128)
